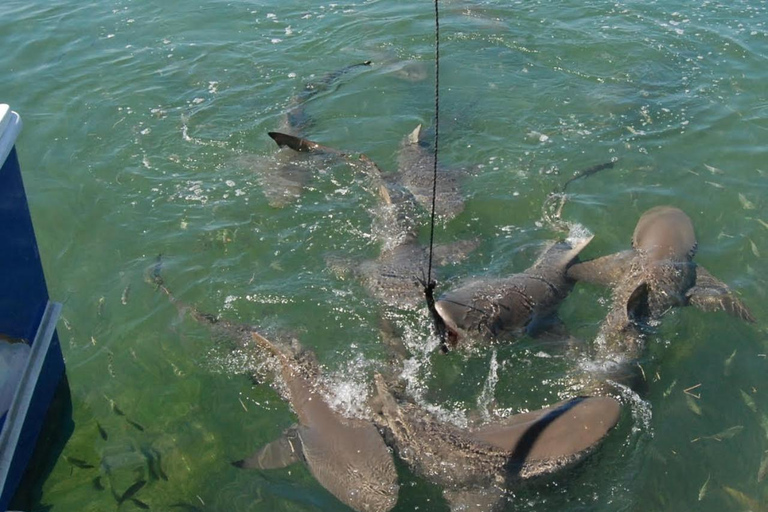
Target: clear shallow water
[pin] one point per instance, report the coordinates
(145, 133)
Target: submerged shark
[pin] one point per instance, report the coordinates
(347, 456)
(657, 274)
(415, 163)
(507, 307)
(284, 181)
(394, 276)
(476, 465)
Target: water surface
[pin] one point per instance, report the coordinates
(145, 133)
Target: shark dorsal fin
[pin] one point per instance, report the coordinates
(281, 452)
(413, 137)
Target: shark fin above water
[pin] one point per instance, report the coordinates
(299, 144)
(415, 135)
(280, 453)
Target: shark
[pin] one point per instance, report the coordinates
(284, 181)
(492, 308)
(347, 456)
(476, 465)
(657, 274)
(416, 172)
(393, 277)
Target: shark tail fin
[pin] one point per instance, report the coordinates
(562, 254)
(604, 271)
(280, 453)
(711, 294)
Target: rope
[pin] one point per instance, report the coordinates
(437, 142)
(429, 284)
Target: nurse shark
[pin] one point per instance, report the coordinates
(509, 307)
(475, 466)
(657, 274)
(393, 277)
(347, 456)
(284, 180)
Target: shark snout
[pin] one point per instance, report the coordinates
(451, 313)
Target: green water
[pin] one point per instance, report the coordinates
(145, 133)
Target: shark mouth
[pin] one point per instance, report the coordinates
(453, 334)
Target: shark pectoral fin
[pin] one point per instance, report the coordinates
(711, 294)
(281, 452)
(450, 254)
(605, 271)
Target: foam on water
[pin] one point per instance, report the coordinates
(487, 395)
(348, 388)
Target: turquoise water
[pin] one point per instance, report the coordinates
(145, 133)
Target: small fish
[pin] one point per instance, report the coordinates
(128, 494)
(158, 464)
(79, 463)
(97, 483)
(763, 467)
(692, 405)
(748, 401)
(153, 463)
(754, 248)
(716, 185)
(728, 363)
(102, 432)
(124, 296)
(725, 434)
(713, 170)
(116, 409)
(764, 224)
(670, 388)
(100, 307)
(140, 504)
(135, 425)
(746, 203)
(704, 488)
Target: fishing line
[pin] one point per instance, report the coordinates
(429, 284)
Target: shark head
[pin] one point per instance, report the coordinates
(485, 309)
(665, 233)
(456, 316)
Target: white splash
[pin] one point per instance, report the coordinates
(487, 396)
